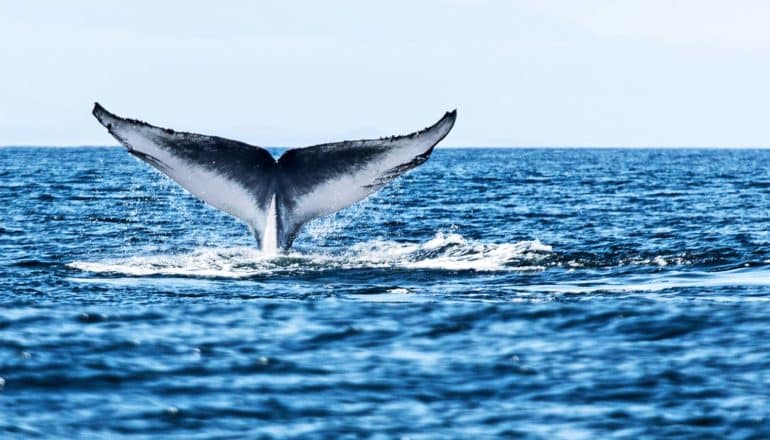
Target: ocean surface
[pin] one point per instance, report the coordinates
(527, 293)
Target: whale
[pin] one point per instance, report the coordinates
(275, 197)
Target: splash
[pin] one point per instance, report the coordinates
(451, 251)
(212, 262)
(445, 251)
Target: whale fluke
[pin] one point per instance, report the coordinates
(275, 198)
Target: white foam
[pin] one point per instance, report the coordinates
(234, 262)
(445, 251)
(451, 251)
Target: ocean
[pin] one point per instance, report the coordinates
(526, 293)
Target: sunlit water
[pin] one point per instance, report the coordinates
(536, 293)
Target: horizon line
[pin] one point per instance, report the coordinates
(456, 147)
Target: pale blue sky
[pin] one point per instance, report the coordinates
(532, 73)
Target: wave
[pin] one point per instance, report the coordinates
(677, 280)
(445, 251)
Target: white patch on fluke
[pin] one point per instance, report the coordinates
(214, 189)
(270, 237)
(346, 189)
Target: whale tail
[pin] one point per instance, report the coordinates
(275, 197)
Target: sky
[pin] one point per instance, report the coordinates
(296, 73)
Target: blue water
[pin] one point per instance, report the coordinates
(533, 293)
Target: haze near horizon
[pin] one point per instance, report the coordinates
(520, 73)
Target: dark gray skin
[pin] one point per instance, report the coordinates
(295, 175)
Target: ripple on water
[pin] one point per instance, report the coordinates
(526, 293)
